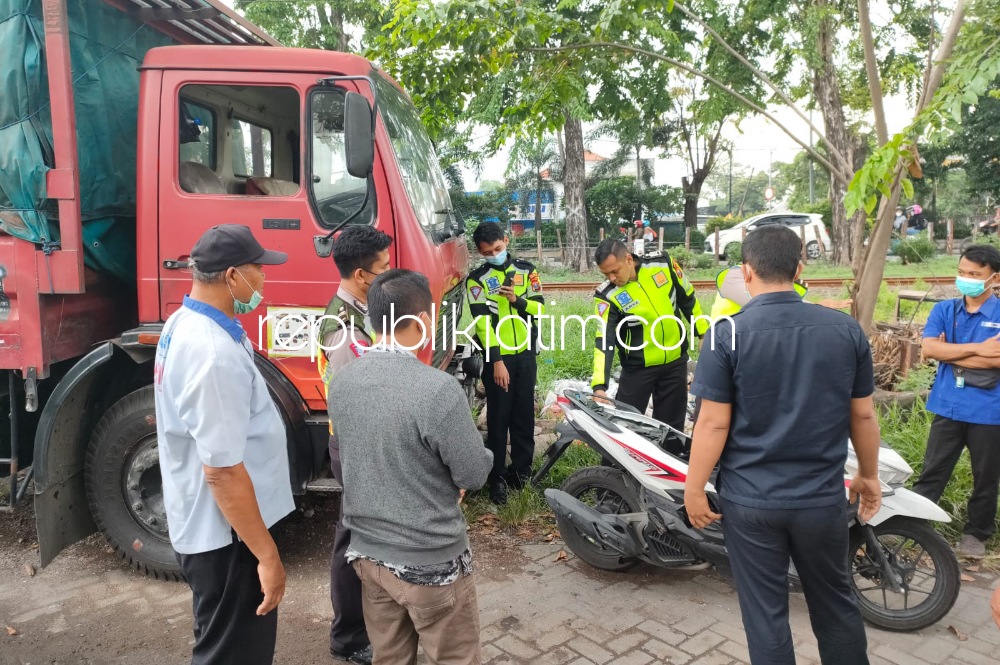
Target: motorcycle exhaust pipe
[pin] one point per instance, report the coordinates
(610, 531)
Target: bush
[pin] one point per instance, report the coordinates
(675, 237)
(691, 261)
(720, 223)
(916, 249)
(683, 257)
(734, 253)
(961, 231)
(989, 240)
(704, 261)
(822, 208)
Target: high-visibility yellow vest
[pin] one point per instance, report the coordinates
(659, 290)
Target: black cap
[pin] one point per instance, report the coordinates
(229, 245)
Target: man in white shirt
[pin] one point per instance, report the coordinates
(222, 453)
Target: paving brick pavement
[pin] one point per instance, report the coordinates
(570, 613)
(87, 608)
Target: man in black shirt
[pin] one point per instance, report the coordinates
(783, 386)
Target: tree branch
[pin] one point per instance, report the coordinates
(763, 77)
(943, 55)
(871, 66)
(843, 175)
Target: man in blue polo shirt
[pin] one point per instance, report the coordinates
(963, 335)
(783, 385)
(223, 454)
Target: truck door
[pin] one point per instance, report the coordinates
(267, 151)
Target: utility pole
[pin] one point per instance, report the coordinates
(730, 180)
(812, 186)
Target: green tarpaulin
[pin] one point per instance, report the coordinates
(106, 49)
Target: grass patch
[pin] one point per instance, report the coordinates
(939, 266)
(526, 506)
(919, 379)
(906, 430)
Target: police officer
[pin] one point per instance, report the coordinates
(505, 297)
(732, 294)
(632, 303)
(360, 253)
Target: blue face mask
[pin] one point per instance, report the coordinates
(970, 287)
(497, 260)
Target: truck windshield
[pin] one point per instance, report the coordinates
(337, 194)
(418, 163)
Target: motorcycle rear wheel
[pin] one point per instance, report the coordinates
(605, 490)
(927, 564)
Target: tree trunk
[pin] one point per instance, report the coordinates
(576, 211)
(826, 90)
(538, 213)
(692, 192)
(872, 268)
(332, 18)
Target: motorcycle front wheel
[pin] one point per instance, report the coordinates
(605, 490)
(922, 558)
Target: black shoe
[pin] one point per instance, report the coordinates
(516, 481)
(359, 657)
(498, 492)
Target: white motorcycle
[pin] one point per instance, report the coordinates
(631, 509)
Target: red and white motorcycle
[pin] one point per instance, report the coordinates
(631, 509)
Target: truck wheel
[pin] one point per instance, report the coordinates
(124, 487)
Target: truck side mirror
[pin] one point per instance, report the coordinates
(359, 135)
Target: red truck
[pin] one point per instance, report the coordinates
(127, 128)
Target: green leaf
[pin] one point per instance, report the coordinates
(907, 187)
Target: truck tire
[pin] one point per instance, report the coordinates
(124, 487)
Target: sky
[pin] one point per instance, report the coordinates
(757, 143)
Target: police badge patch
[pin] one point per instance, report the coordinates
(626, 301)
(493, 284)
(677, 269)
(602, 307)
(476, 292)
(518, 279)
(660, 279)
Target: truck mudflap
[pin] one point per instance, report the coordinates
(62, 513)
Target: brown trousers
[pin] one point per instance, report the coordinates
(444, 619)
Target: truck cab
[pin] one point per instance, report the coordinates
(293, 143)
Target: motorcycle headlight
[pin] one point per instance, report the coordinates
(893, 477)
(892, 468)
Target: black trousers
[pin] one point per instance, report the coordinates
(347, 630)
(944, 446)
(760, 543)
(667, 384)
(511, 411)
(226, 590)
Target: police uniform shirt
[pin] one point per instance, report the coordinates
(213, 409)
(634, 318)
(347, 341)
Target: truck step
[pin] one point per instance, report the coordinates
(325, 485)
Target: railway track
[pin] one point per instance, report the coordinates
(707, 284)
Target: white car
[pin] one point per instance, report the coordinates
(817, 239)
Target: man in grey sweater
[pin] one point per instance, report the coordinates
(406, 464)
